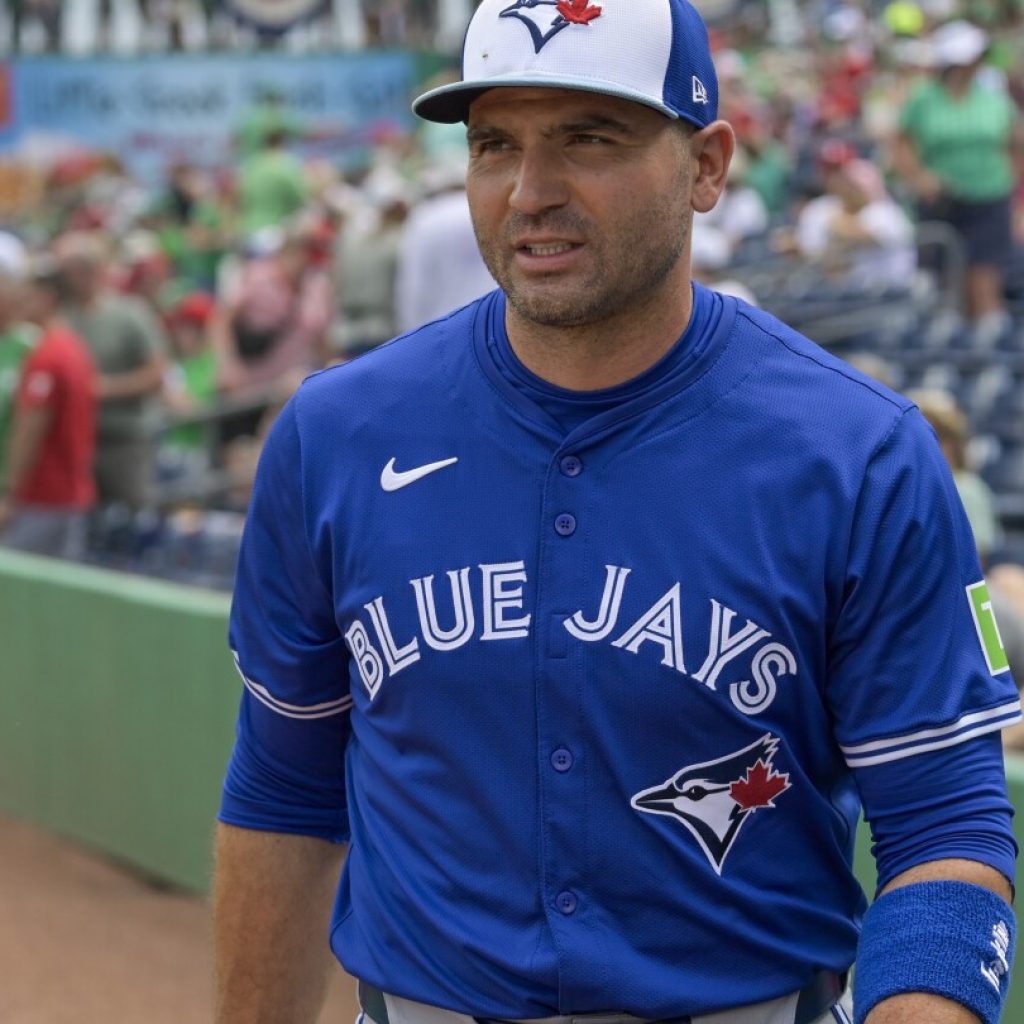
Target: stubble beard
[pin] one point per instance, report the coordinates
(623, 277)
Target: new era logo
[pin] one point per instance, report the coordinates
(700, 94)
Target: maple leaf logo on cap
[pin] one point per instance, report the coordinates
(713, 799)
(579, 12)
(546, 18)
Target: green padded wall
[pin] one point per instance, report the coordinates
(119, 698)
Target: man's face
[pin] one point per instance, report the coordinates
(848, 192)
(581, 202)
(40, 302)
(83, 275)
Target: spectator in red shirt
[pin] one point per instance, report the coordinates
(50, 486)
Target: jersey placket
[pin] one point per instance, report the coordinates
(561, 717)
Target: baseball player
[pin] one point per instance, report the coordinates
(588, 618)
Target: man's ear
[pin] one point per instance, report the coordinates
(712, 148)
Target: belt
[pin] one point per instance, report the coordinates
(815, 999)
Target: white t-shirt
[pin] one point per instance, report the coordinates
(439, 264)
(890, 258)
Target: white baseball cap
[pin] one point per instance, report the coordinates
(654, 52)
(958, 44)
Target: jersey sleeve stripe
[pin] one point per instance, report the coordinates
(309, 711)
(967, 727)
(925, 734)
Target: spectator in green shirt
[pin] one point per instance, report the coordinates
(272, 186)
(269, 114)
(190, 384)
(192, 227)
(954, 154)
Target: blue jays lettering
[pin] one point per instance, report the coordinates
(381, 655)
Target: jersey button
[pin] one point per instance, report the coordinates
(562, 760)
(565, 524)
(571, 466)
(567, 902)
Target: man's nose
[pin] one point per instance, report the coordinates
(541, 181)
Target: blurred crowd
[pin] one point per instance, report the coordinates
(168, 326)
(134, 26)
(149, 335)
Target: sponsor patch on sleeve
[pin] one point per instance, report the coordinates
(987, 627)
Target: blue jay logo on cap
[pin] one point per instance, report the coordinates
(545, 24)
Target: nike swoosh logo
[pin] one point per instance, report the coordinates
(393, 480)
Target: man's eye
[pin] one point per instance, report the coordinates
(589, 140)
(489, 146)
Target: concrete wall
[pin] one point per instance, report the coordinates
(117, 707)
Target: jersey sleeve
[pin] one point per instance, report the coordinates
(946, 803)
(916, 662)
(919, 684)
(286, 773)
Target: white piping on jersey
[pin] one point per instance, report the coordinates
(898, 747)
(841, 1015)
(310, 711)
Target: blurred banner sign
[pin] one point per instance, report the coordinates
(276, 15)
(151, 112)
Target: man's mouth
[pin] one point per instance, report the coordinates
(550, 249)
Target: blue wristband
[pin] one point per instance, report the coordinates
(950, 939)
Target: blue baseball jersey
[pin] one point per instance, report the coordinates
(595, 685)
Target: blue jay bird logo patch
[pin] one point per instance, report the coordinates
(544, 23)
(713, 799)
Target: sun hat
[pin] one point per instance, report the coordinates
(654, 52)
(958, 44)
